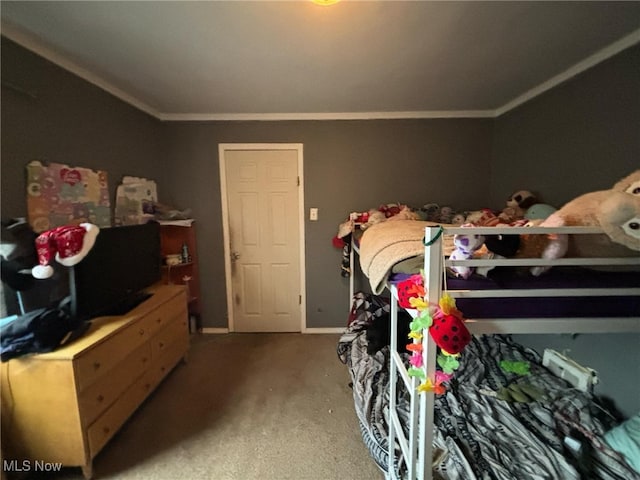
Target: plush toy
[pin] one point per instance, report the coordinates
(68, 244)
(615, 211)
(446, 215)
(629, 184)
(482, 218)
(412, 287)
(517, 205)
(390, 209)
(458, 219)
(619, 217)
(539, 211)
(465, 247)
(373, 217)
(449, 331)
(405, 213)
(503, 245)
(430, 212)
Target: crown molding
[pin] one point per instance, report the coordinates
(30, 42)
(203, 117)
(591, 61)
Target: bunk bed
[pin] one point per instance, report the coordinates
(468, 432)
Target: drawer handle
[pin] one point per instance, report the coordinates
(159, 319)
(145, 359)
(161, 345)
(100, 398)
(96, 365)
(162, 369)
(106, 430)
(141, 332)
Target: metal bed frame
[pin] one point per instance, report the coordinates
(417, 448)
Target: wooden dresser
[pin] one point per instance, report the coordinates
(64, 406)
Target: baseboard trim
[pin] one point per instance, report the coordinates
(324, 330)
(214, 331)
(220, 331)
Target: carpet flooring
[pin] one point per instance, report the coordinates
(243, 407)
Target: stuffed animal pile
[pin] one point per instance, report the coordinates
(616, 211)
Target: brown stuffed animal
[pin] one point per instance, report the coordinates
(629, 184)
(615, 211)
(619, 217)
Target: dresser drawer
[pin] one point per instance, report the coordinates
(171, 355)
(102, 393)
(101, 431)
(99, 360)
(70, 402)
(176, 330)
(162, 316)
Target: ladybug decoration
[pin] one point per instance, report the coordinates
(410, 288)
(446, 326)
(449, 332)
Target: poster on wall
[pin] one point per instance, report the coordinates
(58, 194)
(135, 201)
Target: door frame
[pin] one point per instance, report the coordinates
(224, 147)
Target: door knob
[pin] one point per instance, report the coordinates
(235, 256)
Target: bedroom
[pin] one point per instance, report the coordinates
(556, 143)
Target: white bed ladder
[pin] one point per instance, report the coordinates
(417, 450)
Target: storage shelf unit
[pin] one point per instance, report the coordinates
(173, 236)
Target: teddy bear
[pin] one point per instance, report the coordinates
(616, 211)
(517, 205)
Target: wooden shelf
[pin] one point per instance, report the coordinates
(172, 239)
(177, 265)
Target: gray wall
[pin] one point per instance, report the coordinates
(578, 137)
(348, 166)
(64, 119)
(581, 136)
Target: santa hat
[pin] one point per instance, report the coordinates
(70, 244)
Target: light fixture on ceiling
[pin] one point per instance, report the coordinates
(325, 3)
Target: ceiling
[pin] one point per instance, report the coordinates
(183, 60)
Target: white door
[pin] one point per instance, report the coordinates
(264, 236)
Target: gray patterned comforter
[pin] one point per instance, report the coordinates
(479, 436)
